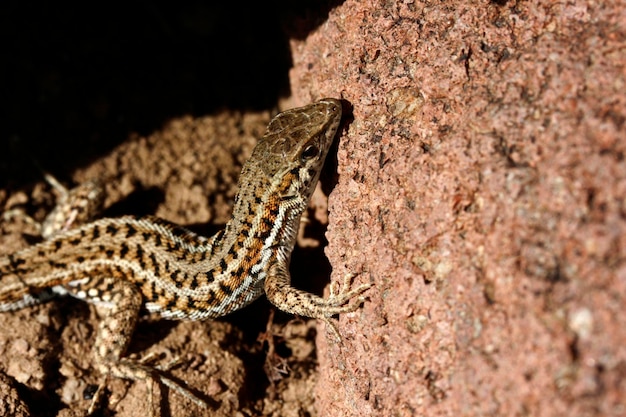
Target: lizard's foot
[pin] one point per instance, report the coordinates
(138, 371)
(339, 296)
(74, 207)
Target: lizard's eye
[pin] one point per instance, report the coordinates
(309, 153)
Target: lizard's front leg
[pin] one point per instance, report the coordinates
(279, 291)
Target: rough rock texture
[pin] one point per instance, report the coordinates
(482, 188)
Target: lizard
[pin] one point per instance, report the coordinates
(128, 263)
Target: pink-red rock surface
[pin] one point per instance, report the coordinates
(482, 188)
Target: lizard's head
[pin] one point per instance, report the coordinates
(295, 145)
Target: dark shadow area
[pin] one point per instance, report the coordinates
(141, 202)
(78, 79)
(39, 404)
(329, 176)
(302, 17)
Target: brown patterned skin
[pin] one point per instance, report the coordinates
(126, 263)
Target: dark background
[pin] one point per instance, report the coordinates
(76, 80)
